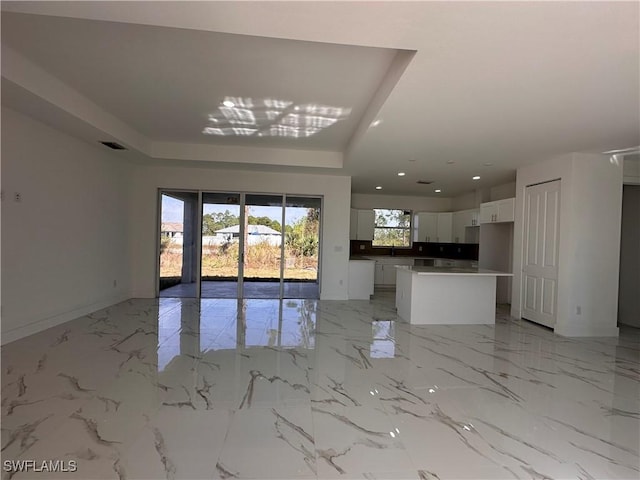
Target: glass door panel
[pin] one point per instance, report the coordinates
(220, 245)
(178, 244)
(262, 240)
(302, 245)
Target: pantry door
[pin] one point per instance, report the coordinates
(541, 242)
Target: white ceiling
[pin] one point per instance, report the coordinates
(455, 85)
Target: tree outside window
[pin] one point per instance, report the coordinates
(392, 228)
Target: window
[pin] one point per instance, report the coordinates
(392, 228)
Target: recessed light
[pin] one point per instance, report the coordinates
(378, 187)
(488, 164)
(412, 159)
(228, 103)
(477, 177)
(437, 190)
(450, 162)
(376, 123)
(401, 174)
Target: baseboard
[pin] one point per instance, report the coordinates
(52, 321)
(334, 297)
(586, 331)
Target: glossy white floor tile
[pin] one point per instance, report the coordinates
(188, 389)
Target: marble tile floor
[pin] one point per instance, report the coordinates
(296, 389)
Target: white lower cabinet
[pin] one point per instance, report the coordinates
(361, 279)
(385, 269)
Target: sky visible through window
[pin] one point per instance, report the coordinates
(172, 211)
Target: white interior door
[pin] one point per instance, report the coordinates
(540, 271)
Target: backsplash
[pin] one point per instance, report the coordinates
(460, 251)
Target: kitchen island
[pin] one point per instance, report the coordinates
(446, 295)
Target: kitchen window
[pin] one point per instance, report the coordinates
(392, 228)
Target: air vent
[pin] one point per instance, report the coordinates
(424, 182)
(113, 145)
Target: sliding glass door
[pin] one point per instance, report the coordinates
(262, 259)
(237, 245)
(220, 245)
(302, 247)
(178, 244)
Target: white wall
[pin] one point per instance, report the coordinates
(65, 242)
(417, 204)
(147, 179)
(466, 201)
(590, 215)
(629, 298)
(500, 192)
(473, 199)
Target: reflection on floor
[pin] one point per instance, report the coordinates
(220, 289)
(188, 389)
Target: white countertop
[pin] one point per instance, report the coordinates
(453, 271)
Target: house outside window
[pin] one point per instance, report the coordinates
(392, 228)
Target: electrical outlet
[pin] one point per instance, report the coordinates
(578, 310)
(115, 283)
(17, 197)
(420, 248)
(361, 247)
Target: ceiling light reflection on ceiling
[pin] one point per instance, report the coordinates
(298, 120)
(477, 177)
(238, 131)
(277, 104)
(290, 132)
(242, 116)
(376, 123)
(272, 118)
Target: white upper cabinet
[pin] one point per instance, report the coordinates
(498, 211)
(488, 212)
(462, 220)
(353, 226)
(459, 226)
(427, 227)
(474, 218)
(445, 226)
(362, 224)
(507, 210)
(434, 227)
